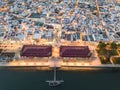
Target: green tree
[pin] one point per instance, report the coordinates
(101, 45)
(113, 45)
(118, 46)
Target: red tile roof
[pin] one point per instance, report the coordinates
(74, 51)
(36, 51)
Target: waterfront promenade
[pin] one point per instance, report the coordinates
(57, 64)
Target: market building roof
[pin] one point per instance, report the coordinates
(36, 51)
(74, 51)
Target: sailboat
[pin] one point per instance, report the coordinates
(54, 82)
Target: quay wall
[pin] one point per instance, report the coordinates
(64, 68)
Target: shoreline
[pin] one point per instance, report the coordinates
(70, 68)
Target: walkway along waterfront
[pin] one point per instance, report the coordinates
(61, 65)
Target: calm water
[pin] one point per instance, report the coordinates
(74, 80)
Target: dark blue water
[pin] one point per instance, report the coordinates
(74, 80)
